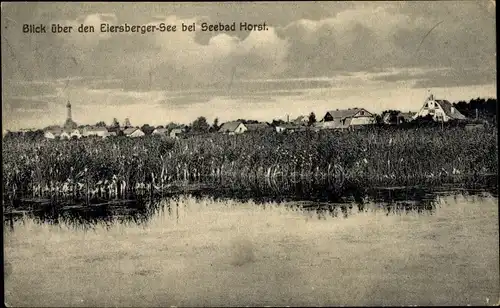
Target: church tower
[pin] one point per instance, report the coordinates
(68, 106)
(69, 124)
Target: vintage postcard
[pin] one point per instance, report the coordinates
(250, 154)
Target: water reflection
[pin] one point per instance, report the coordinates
(322, 201)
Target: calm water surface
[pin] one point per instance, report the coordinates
(203, 252)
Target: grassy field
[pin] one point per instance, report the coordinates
(209, 253)
(384, 157)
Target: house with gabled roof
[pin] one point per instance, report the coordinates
(159, 131)
(440, 110)
(67, 131)
(232, 128)
(53, 132)
(346, 118)
(65, 135)
(133, 132)
(258, 127)
(76, 133)
(397, 117)
(176, 132)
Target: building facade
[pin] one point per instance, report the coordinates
(440, 110)
(346, 118)
(233, 128)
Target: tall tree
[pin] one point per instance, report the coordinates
(215, 127)
(127, 123)
(115, 123)
(171, 126)
(312, 119)
(390, 114)
(247, 121)
(147, 129)
(200, 125)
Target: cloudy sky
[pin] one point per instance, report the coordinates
(313, 57)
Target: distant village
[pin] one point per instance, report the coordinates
(437, 110)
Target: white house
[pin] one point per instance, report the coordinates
(289, 127)
(65, 135)
(76, 133)
(53, 132)
(440, 110)
(50, 134)
(133, 132)
(346, 118)
(174, 133)
(232, 128)
(159, 131)
(95, 131)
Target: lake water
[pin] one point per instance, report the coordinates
(204, 252)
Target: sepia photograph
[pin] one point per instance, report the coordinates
(250, 154)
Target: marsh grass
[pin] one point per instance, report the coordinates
(275, 162)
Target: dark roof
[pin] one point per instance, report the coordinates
(388, 117)
(230, 126)
(130, 130)
(345, 113)
(257, 126)
(449, 110)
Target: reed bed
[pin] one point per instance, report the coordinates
(119, 166)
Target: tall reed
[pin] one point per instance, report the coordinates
(363, 157)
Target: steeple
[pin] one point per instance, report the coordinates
(68, 106)
(69, 124)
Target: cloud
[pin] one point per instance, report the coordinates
(456, 78)
(259, 54)
(438, 77)
(354, 37)
(312, 51)
(366, 38)
(86, 41)
(171, 60)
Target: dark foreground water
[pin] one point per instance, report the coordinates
(390, 247)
